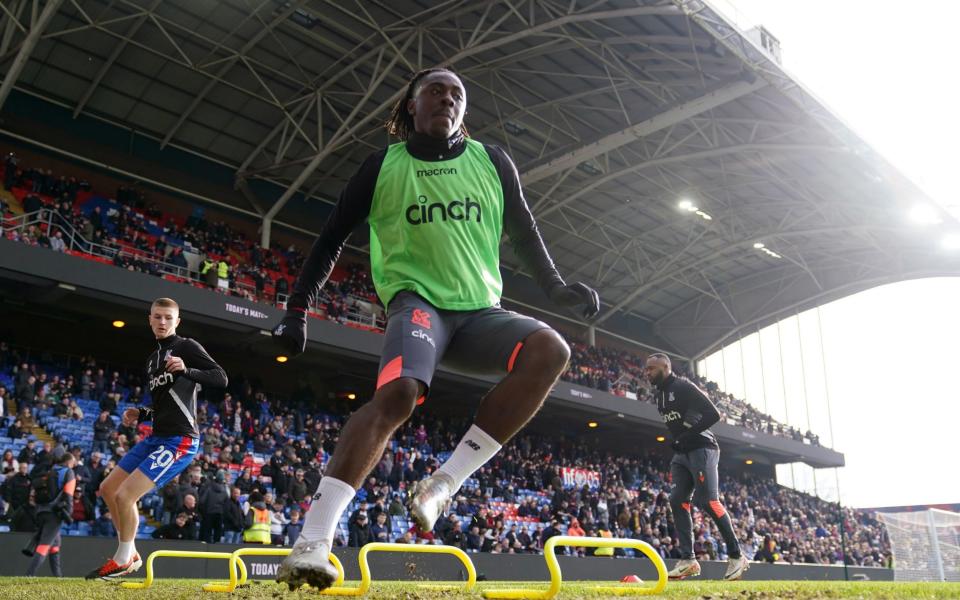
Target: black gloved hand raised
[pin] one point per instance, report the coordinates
(576, 294)
(291, 333)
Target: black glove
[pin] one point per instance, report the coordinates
(291, 333)
(685, 442)
(144, 414)
(66, 515)
(576, 294)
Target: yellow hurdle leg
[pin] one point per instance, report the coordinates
(148, 580)
(556, 577)
(232, 567)
(366, 579)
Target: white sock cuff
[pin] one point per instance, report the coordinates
(476, 447)
(330, 500)
(339, 487)
(124, 553)
(476, 432)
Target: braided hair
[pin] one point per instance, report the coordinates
(400, 122)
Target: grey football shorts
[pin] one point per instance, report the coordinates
(420, 336)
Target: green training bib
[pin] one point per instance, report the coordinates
(435, 228)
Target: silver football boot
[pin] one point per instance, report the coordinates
(308, 562)
(428, 498)
(736, 567)
(686, 567)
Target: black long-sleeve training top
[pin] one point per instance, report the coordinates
(354, 204)
(174, 407)
(686, 408)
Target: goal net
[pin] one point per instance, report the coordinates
(926, 545)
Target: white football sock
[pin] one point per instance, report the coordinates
(332, 498)
(473, 451)
(125, 552)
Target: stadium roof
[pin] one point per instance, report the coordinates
(615, 112)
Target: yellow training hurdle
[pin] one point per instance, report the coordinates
(148, 581)
(366, 580)
(238, 569)
(556, 578)
(236, 564)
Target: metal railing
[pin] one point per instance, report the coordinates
(73, 240)
(358, 310)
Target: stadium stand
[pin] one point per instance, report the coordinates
(273, 449)
(136, 235)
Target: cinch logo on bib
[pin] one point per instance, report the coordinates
(428, 212)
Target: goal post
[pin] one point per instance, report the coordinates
(925, 544)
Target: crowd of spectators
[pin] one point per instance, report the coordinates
(137, 236)
(606, 369)
(621, 373)
(512, 505)
(141, 237)
(616, 371)
(746, 415)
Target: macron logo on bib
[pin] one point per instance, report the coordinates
(435, 172)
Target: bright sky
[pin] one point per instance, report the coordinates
(892, 352)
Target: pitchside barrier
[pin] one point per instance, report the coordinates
(79, 555)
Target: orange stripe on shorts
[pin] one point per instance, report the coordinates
(513, 356)
(390, 372)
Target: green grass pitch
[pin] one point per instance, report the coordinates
(168, 589)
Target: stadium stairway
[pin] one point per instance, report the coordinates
(29, 425)
(12, 201)
(39, 431)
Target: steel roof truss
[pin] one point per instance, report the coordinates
(26, 49)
